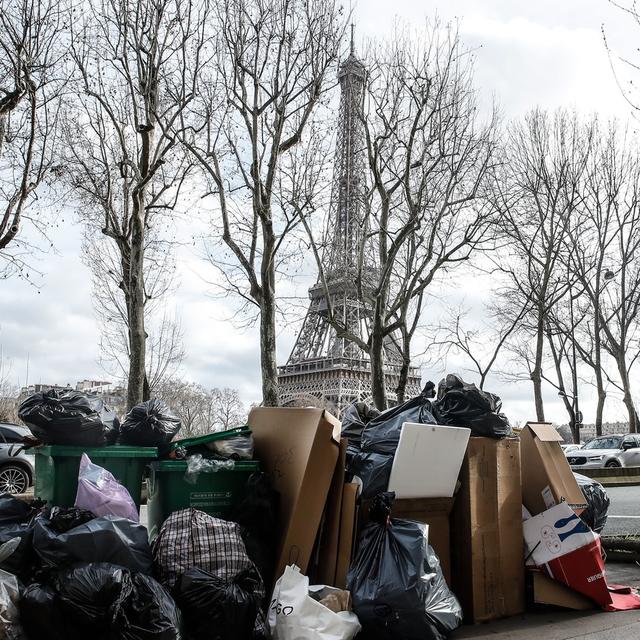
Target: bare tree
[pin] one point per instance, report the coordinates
(31, 81)
(258, 97)
(536, 194)
(604, 242)
(137, 64)
(8, 393)
(201, 410)
(480, 345)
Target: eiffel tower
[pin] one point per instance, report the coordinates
(325, 369)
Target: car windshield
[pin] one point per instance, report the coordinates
(603, 443)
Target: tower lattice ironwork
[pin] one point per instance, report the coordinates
(325, 369)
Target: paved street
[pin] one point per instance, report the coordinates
(624, 513)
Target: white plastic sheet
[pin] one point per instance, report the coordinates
(294, 615)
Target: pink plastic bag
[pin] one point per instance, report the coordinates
(100, 493)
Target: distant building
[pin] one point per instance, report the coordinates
(95, 386)
(25, 392)
(588, 431)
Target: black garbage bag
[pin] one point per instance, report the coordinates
(112, 603)
(595, 515)
(106, 539)
(41, 615)
(462, 404)
(214, 608)
(150, 613)
(354, 419)
(257, 514)
(16, 521)
(70, 418)
(396, 583)
(65, 519)
(382, 433)
(374, 469)
(149, 424)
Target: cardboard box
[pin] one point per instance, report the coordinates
(427, 461)
(348, 533)
(547, 478)
(299, 448)
(553, 533)
(551, 592)
(434, 512)
(330, 528)
(486, 531)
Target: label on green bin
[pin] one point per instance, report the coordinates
(204, 499)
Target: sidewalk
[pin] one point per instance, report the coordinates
(565, 625)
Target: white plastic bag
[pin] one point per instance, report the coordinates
(294, 615)
(9, 596)
(100, 493)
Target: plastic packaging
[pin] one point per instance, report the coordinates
(100, 493)
(464, 405)
(103, 597)
(354, 420)
(397, 586)
(382, 433)
(228, 606)
(106, 539)
(9, 598)
(149, 424)
(196, 465)
(294, 614)
(236, 448)
(595, 515)
(69, 418)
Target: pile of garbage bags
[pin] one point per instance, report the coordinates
(80, 419)
(373, 436)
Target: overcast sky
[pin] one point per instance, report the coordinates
(545, 53)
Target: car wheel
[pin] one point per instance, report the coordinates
(612, 463)
(13, 479)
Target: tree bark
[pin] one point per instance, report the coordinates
(536, 374)
(378, 388)
(404, 368)
(268, 363)
(627, 398)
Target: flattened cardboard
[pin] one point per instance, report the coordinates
(299, 448)
(427, 461)
(486, 531)
(330, 532)
(551, 592)
(348, 532)
(434, 512)
(547, 478)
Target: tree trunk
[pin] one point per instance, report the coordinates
(627, 398)
(378, 388)
(268, 364)
(602, 396)
(536, 374)
(137, 334)
(404, 368)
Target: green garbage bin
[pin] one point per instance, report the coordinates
(214, 493)
(57, 469)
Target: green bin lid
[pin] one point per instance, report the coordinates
(181, 465)
(210, 437)
(113, 451)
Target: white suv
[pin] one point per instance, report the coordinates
(607, 451)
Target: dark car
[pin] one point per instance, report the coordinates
(16, 466)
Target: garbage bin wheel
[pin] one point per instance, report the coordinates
(13, 479)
